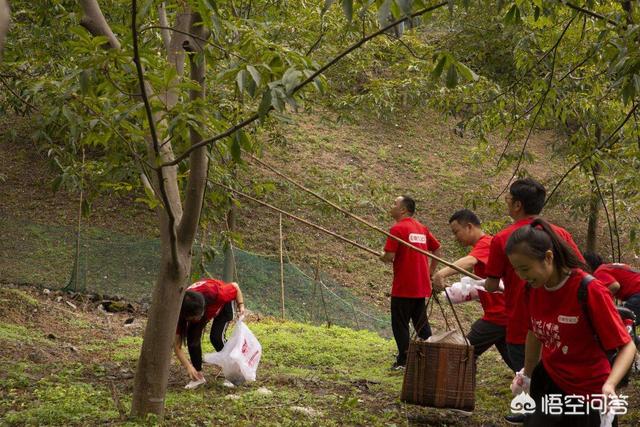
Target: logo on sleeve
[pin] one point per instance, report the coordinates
(417, 238)
(568, 320)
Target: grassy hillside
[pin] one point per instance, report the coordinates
(61, 365)
(361, 164)
(341, 374)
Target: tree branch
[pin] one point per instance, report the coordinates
(605, 144)
(164, 33)
(308, 80)
(195, 37)
(93, 20)
(315, 45)
(24, 101)
(606, 211)
(591, 13)
(5, 21)
(154, 136)
(615, 221)
(542, 101)
(198, 161)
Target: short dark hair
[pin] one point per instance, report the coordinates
(465, 216)
(409, 204)
(530, 193)
(593, 259)
(536, 239)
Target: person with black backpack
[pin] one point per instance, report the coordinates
(569, 334)
(622, 280)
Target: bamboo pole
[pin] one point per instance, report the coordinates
(79, 229)
(357, 218)
(304, 221)
(281, 270)
(315, 287)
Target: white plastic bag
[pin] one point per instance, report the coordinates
(521, 383)
(450, 337)
(466, 290)
(240, 356)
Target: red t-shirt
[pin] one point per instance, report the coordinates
(499, 266)
(411, 268)
(571, 355)
(492, 302)
(218, 292)
(627, 277)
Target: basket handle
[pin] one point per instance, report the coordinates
(444, 316)
(455, 314)
(422, 324)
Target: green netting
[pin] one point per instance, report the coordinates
(112, 264)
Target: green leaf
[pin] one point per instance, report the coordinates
(319, 85)
(276, 99)
(243, 139)
(437, 71)
(254, 73)
(513, 15)
(636, 83)
(236, 151)
(452, 76)
(347, 8)
(450, 5)
(290, 79)
(84, 82)
(327, 5)
(265, 104)
(466, 72)
(241, 78)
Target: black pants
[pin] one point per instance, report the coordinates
(404, 310)
(484, 334)
(218, 329)
(516, 356)
(541, 385)
(633, 304)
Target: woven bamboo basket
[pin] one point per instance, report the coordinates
(440, 375)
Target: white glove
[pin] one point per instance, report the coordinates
(521, 383)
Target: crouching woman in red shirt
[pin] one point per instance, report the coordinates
(565, 348)
(203, 301)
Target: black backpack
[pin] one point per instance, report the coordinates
(624, 313)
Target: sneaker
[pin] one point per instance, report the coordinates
(195, 384)
(397, 367)
(514, 419)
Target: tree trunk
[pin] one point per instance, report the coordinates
(229, 259)
(5, 15)
(152, 373)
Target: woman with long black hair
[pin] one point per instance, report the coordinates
(572, 323)
(205, 300)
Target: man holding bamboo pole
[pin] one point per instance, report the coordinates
(411, 275)
(490, 330)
